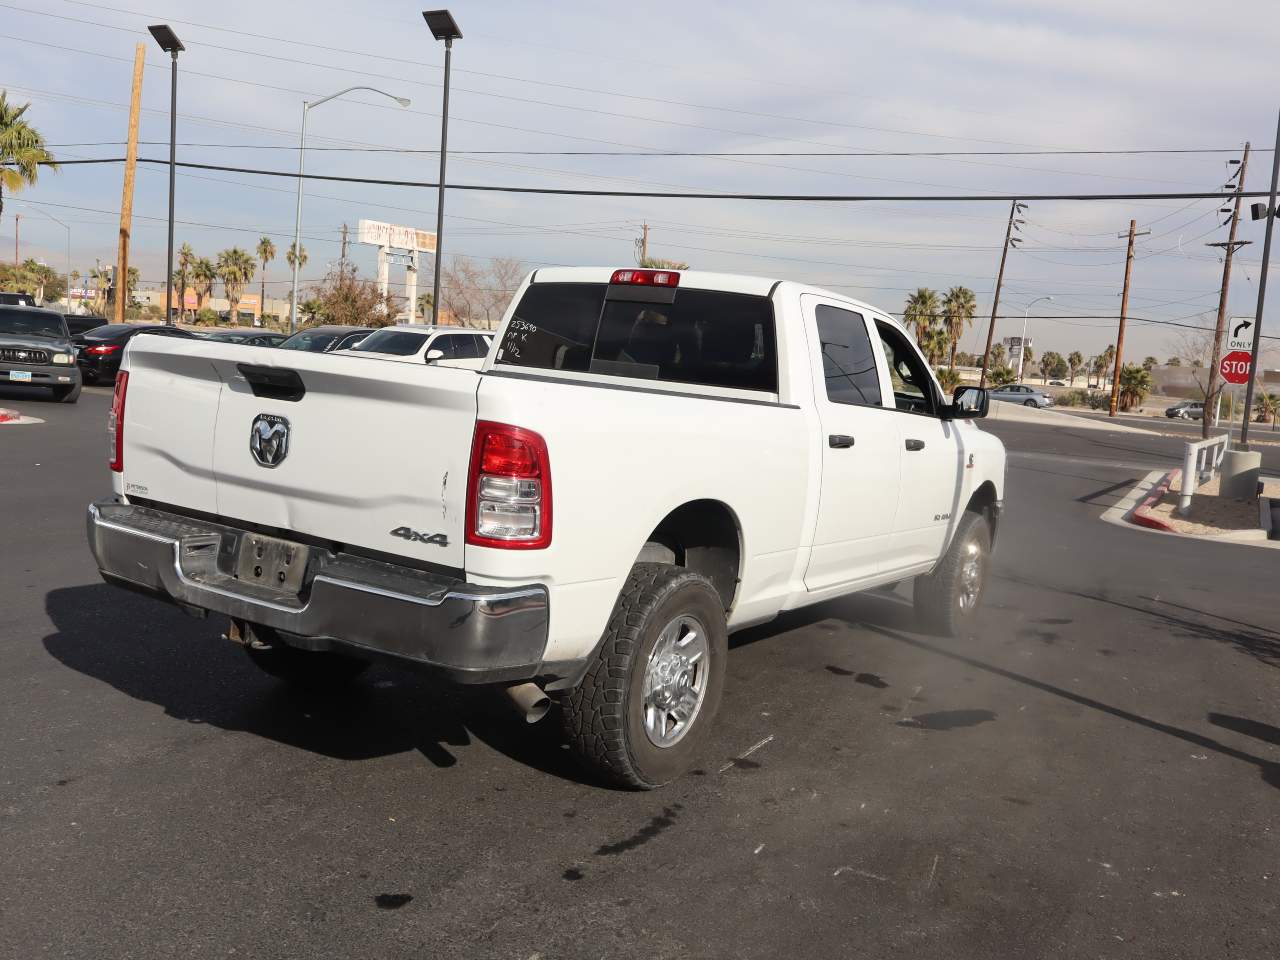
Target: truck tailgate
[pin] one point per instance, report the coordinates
(366, 453)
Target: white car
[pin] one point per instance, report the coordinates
(646, 461)
(416, 343)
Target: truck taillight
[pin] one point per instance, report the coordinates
(509, 488)
(115, 422)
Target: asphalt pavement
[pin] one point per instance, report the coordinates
(1093, 773)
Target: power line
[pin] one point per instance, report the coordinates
(686, 153)
(698, 195)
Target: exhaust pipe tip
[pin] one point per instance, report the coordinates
(529, 701)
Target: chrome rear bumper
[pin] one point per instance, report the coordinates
(476, 634)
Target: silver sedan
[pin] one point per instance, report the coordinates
(1023, 394)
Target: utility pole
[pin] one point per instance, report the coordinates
(1212, 396)
(1124, 313)
(17, 225)
(644, 242)
(126, 201)
(1009, 240)
(344, 244)
(1262, 292)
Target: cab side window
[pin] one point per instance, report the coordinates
(848, 360)
(913, 390)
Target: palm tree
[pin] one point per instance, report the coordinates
(301, 256)
(1150, 363)
(1267, 404)
(948, 379)
(935, 344)
(101, 277)
(1075, 363)
(997, 356)
(235, 267)
(22, 150)
(266, 253)
(203, 276)
(1028, 357)
(921, 313)
(958, 308)
(186, 261)
(1135, 384)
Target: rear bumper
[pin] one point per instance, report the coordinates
(474, 634)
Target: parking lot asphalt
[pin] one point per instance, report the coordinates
(1093, 773)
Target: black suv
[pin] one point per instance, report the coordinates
(36, 349)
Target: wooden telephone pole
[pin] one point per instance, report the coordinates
(126, 201)
(1124, 313)
(17, 229)
(1214, 390)
(1009, 240)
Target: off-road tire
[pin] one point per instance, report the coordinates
(937, 595)
(67, 394)
(312, 669)
(604, 715)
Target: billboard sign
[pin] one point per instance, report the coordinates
(380, 234)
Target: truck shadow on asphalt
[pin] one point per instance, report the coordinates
(891, 617)
(152, 652)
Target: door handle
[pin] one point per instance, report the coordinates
(839, 441)
(914, 445)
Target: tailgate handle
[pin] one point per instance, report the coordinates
(273, 383)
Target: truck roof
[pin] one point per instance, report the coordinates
(699, 280)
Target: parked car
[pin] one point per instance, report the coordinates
(1023, 394)
(416, 343)
(248, 337)
(78, 323)
(1056, 383)
(646, 461)
(9, 299)
(1186, 410)
(101, 349)
(326, 339)
(35, 348)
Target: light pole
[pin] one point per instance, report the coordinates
(302, 149)
(171, 45)
(443, 27)
(1022, 349)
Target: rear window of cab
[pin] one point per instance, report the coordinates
(704, 337)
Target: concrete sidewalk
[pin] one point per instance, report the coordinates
(1003, 410)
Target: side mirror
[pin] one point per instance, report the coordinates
(968, 403)
(435, 354)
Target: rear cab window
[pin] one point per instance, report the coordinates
(703, 337)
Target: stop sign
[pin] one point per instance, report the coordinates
(1235, 367)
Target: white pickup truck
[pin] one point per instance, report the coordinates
(646, 461)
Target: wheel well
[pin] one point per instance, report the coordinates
(701, 535)
(984, 501)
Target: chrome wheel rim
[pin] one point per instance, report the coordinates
(675, 681)
(970, 575)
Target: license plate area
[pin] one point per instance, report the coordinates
(268, 562)
(20, 376)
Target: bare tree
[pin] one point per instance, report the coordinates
(477, 296)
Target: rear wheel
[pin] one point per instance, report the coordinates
(947, 599)
(305, 668)
(67, 394)
(1028, 403)
(645, 707)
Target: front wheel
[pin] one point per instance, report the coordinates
(67, 394)
(644, 710)
(1028, 403)
(947, 599)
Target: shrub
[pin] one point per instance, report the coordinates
(206, 317)
(1000, 376)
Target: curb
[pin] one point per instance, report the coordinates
(1143, 517)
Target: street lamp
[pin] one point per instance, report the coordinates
(1022, 348)
(171, 45)
(443, 27)
(297, 220)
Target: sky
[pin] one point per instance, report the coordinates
(742, 77)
